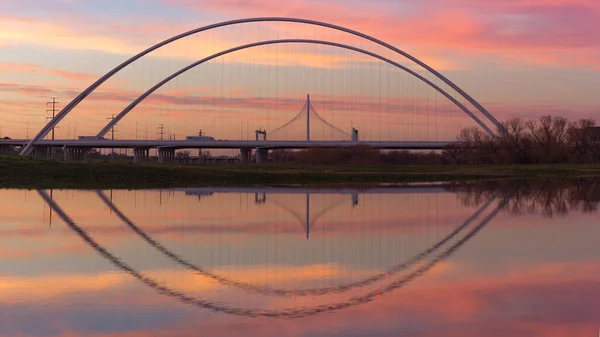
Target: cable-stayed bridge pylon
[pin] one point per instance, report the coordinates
(305, 123)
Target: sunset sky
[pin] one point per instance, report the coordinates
(522, 58)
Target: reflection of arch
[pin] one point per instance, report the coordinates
(285, 292)
(145, 95)
(256, 312)
(65, 111)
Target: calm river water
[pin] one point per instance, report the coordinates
(487, 259)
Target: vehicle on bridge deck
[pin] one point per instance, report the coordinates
(199, 138)
(91, 138)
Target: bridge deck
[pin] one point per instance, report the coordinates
(232, 144)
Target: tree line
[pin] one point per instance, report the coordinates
(548, 140)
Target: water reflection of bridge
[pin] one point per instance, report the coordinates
(394, 276)
(310, 214)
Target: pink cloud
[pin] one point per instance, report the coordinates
(551, 31)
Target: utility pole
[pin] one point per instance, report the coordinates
(51, 108)
(161, 132)
(112, 130)
(199, 149)
(112, 137)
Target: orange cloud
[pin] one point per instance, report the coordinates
(24, 30)
(39, 69)
(27, 289)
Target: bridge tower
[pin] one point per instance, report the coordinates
(354, 135)
(261, 134)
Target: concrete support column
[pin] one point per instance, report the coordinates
(166, 155)
(245, 154)
(41, 152)
(262, 155)
(141, 154)
(5, 149)
(74, 153)
(82, 152)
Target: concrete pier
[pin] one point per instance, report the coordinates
(166, 155)
(245, 154)
(262, 155)
(141, 154)
(74, 153)
(6, 149)
(41, 152)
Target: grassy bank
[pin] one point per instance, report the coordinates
(18, 172)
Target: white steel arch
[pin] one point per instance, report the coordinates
(65, 111)
(145, 95)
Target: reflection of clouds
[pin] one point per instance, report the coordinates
(390, 272)
(48, 286)
(548, 300)
(288, 313)
(28, 289)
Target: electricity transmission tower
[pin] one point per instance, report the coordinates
(161, 132)
(51, 108)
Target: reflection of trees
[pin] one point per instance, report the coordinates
(548, 197)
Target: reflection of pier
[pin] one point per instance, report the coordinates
(420, 264)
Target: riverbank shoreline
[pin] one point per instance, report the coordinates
(16, 172)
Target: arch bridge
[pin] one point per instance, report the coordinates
(308, 116)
